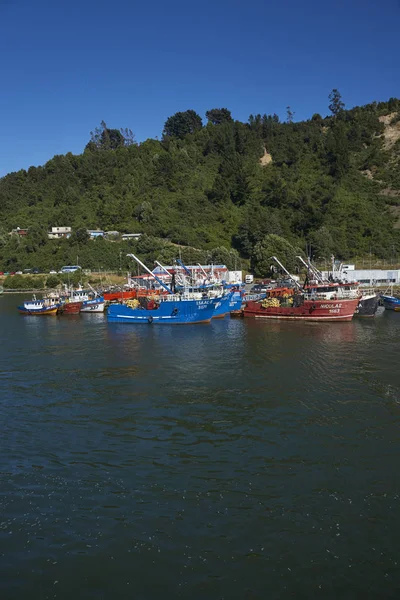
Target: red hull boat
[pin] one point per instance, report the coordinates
(71, 308)
(305, 310)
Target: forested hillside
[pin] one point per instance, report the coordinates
(332, 183)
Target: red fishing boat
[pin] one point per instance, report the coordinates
(317, 302)
(297, 307)
(71, 308)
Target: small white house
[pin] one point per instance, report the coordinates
(59, 232)
(130, 236)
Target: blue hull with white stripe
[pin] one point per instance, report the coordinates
(169, 312)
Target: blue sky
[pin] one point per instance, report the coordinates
(65, 66)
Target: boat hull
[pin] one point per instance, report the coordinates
(71, 308)
(51, 311)
(228, 303)
(317, 310)
(391, 303)
(93, 306)
(367, 307)
(168, 313)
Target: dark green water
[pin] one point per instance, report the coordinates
(234, 460)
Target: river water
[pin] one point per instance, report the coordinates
(234, 460)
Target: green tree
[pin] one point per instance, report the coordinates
(322, 244)
(182, 123)
(216, 116)
(289, 115)
(80, 236)
(272, 245)
(52, 281)
(103, 138)
(336, 105)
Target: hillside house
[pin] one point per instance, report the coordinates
(59, 232)
(21, 231)
(95, 233)
(130, 236)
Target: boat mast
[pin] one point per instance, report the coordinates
(311, 268)
(150, 273)
(203, 271)
(287, 272)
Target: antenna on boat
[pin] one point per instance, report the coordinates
(287, 272)
(151, 273)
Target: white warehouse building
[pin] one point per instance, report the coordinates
(370, 277)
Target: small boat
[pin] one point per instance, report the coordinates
(391, 302)
(45, 306)
(73, 301)
(95, 305)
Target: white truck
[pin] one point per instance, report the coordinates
(249, 279)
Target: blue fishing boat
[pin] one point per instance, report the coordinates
(229, 302)
(391, 302)
(169, 309)
(45, 306)
(173, 309)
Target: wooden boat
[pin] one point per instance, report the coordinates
(34, 307)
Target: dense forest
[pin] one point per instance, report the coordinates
(222, 190)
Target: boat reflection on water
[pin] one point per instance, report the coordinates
(325, 332)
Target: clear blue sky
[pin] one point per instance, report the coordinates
(67, 65)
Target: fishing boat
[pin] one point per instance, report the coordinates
(391, 302)
(315, 302)
(297, 307)
(94, 305)
(230, 302)
(73, 301)
(170, 308)
(45, 306)
(336, 287)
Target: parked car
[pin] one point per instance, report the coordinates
(18, 272)
(53, 272)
